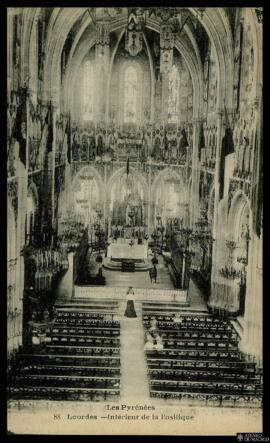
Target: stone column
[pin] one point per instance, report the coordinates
(145, 212)
(251, 342)
(33, 78)
(165, 89)
(152, 218)
(218, 231)
(22, 213)
(218, 155)
(22, 210)
(150, 196)
(106, 198)
(252, 339)
(194, 197)
(54, 113)
(10, 16)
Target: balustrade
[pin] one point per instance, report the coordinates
(139, 143)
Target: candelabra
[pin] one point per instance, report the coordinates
(230, 272)
(131, 215)
(100, 234)
(203, 236)
(231, 245)
(158, 234)
(242, 260)
(187, 235)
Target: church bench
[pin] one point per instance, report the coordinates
(88, 322)
(187, 323)
(180, 344)
(164, 374)
(189, 327)
(185, 318)
(61, 381)
(201, 335)
(239, 366)
(69, 370)
(89, 332)
(64, 393)
(95, 313)
(90, 350)
(200, 355)
(179, 354)
(88, 306)
(208, 387)
(108, 316)
(80, 360)
(202, 399)
(87, 341)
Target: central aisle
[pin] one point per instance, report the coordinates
(134, 383)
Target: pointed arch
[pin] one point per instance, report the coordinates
(239, 202)
(130, 94)
(173, 95)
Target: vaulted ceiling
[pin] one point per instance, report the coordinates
(73, 30)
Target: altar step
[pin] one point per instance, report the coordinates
(86, 303)
(171, 308)
(126, 266)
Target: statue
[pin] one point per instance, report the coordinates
(182, 146)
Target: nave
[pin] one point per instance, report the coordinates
(93, 352)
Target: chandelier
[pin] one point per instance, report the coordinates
(202, 233)
(230, 272)
(102, 45)
(167, 42)
(134, 31)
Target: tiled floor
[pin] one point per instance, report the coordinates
(134, 380)
(142, 280)
(135, 279)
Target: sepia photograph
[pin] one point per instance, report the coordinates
(135, 221)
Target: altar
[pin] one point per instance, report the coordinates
(127, 256)
(123, 251)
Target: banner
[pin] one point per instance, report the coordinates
(20, 125)
(227, 147)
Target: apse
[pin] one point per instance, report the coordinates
(127, 201)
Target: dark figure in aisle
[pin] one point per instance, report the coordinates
(130, 309)
(155, 273)
(151, 274)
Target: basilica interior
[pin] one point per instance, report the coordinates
(134, 163)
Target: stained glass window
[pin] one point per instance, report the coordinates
(173, 96)
(130, 94)
(88, 80)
